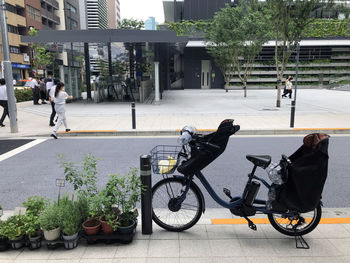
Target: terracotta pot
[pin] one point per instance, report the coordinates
(92, 226)
(106, 228)
(51, 235)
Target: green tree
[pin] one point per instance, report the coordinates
(132, 24)
(235, 37)
(42, 57)
(288, 20)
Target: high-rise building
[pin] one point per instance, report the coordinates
(49, 18)
(113, 13)
(96, 11)
(151, 24)
(16, 25)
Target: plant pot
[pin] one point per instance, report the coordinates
(17, 243)
(51, 235)
(70, 241)
(92, 226)
(35, 242)
(127, 229)
(106, 228)
(4, 245)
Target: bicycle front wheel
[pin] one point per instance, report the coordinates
(292, 227)
(170, 215)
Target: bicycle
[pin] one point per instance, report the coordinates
(178, 201)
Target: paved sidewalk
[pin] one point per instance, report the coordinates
(205, 109)
(206, 242)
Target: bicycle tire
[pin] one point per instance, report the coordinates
(159, 198)
(315, 220)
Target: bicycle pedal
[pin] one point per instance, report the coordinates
(251, 225)
(227, 192)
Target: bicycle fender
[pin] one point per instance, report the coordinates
(194, 186)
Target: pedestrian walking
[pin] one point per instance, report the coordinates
(49, 83)
(288, 87)
(52, 102)
(3, 102)
(36, 90)
(42, 91)
(60, 98)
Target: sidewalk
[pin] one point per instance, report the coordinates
(207, 242)
(315, 109)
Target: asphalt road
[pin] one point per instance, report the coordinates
(8, 145)
(33, 172)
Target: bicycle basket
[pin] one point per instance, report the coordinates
(165, 159)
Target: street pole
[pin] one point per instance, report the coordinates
(8, 70)
(175, 11)
(292, 110)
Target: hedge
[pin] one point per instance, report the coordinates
(23, 95)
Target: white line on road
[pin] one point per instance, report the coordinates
(20, 149)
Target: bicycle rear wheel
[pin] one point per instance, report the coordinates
(309, 222)
(167, 214)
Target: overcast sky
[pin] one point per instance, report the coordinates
(142, 9)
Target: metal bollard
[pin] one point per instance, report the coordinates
(133, 114)
(146, 195)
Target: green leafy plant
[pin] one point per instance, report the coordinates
(12, 227)
(31, 225)
(81, 175)
(23, 95)
(48, 218)
(35, 204)
(69, 216)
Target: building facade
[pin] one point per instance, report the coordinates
(16, 25)
(151, 24)
(49, 18)
(113, 14)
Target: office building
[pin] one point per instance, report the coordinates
(151, 24)
(113, 14)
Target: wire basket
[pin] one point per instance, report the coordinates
(165, 159)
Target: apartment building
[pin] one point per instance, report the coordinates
(113, 14)
(16, 24)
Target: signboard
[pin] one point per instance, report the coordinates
(25, 57)
(60, 182)
(17, 65)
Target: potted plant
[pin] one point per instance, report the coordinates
(1, 211)
(3, 239)
(126, 193)
(70, 222)
(92, 224)
(12, 229)
(110, 212)
(49, 222)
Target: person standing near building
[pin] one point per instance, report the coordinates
(60, 98)
(3, 102)
(42, 90)
(51, 99)
(49, 84)
(35, 88)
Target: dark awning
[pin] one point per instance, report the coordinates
(105, 36)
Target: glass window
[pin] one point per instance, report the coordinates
(11, 8)
(72, 23)
(33, 13)
(12, 29)
(14, 50)
(71, 8)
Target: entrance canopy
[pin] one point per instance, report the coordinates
(105, 36)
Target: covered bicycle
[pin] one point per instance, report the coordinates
(294, 202)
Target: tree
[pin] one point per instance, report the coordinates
(41, 57)
(132, 24)
(235, 37)
(288, 20)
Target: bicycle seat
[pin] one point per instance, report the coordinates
(259, 160)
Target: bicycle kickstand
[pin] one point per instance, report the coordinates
(251, 225)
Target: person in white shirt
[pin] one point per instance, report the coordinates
(36, 90)
(51, 99)
(60, 98)
(3, 102)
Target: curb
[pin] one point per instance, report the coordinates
(295, 131)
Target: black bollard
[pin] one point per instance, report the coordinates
(133, 114)
(146, 195)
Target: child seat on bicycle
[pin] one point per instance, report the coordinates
(206, 148)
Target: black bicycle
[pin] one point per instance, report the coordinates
(178, 202)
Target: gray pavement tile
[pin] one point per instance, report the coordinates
(38, 254)
(196, 260)
(230, 260)
(162, 260)
(347, 227)
(100, 251)
(221, 231)
(257, 247)
(285, 247)
(343, 245)
(63, 261)
(331, 259)
(136, 249)
(196, 232)
(225, 248)
(129, 260)
(164, 248)
(6, 261)
(194, 248)
(323, 247)
(139, 234)
(243, 231)
(94, 260)
(61, 253)
(160, 233)
(333, 231)
(10, 254)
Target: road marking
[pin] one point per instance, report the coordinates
(86, 131)
(20, 149)
(240, 221)
(317, 129)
